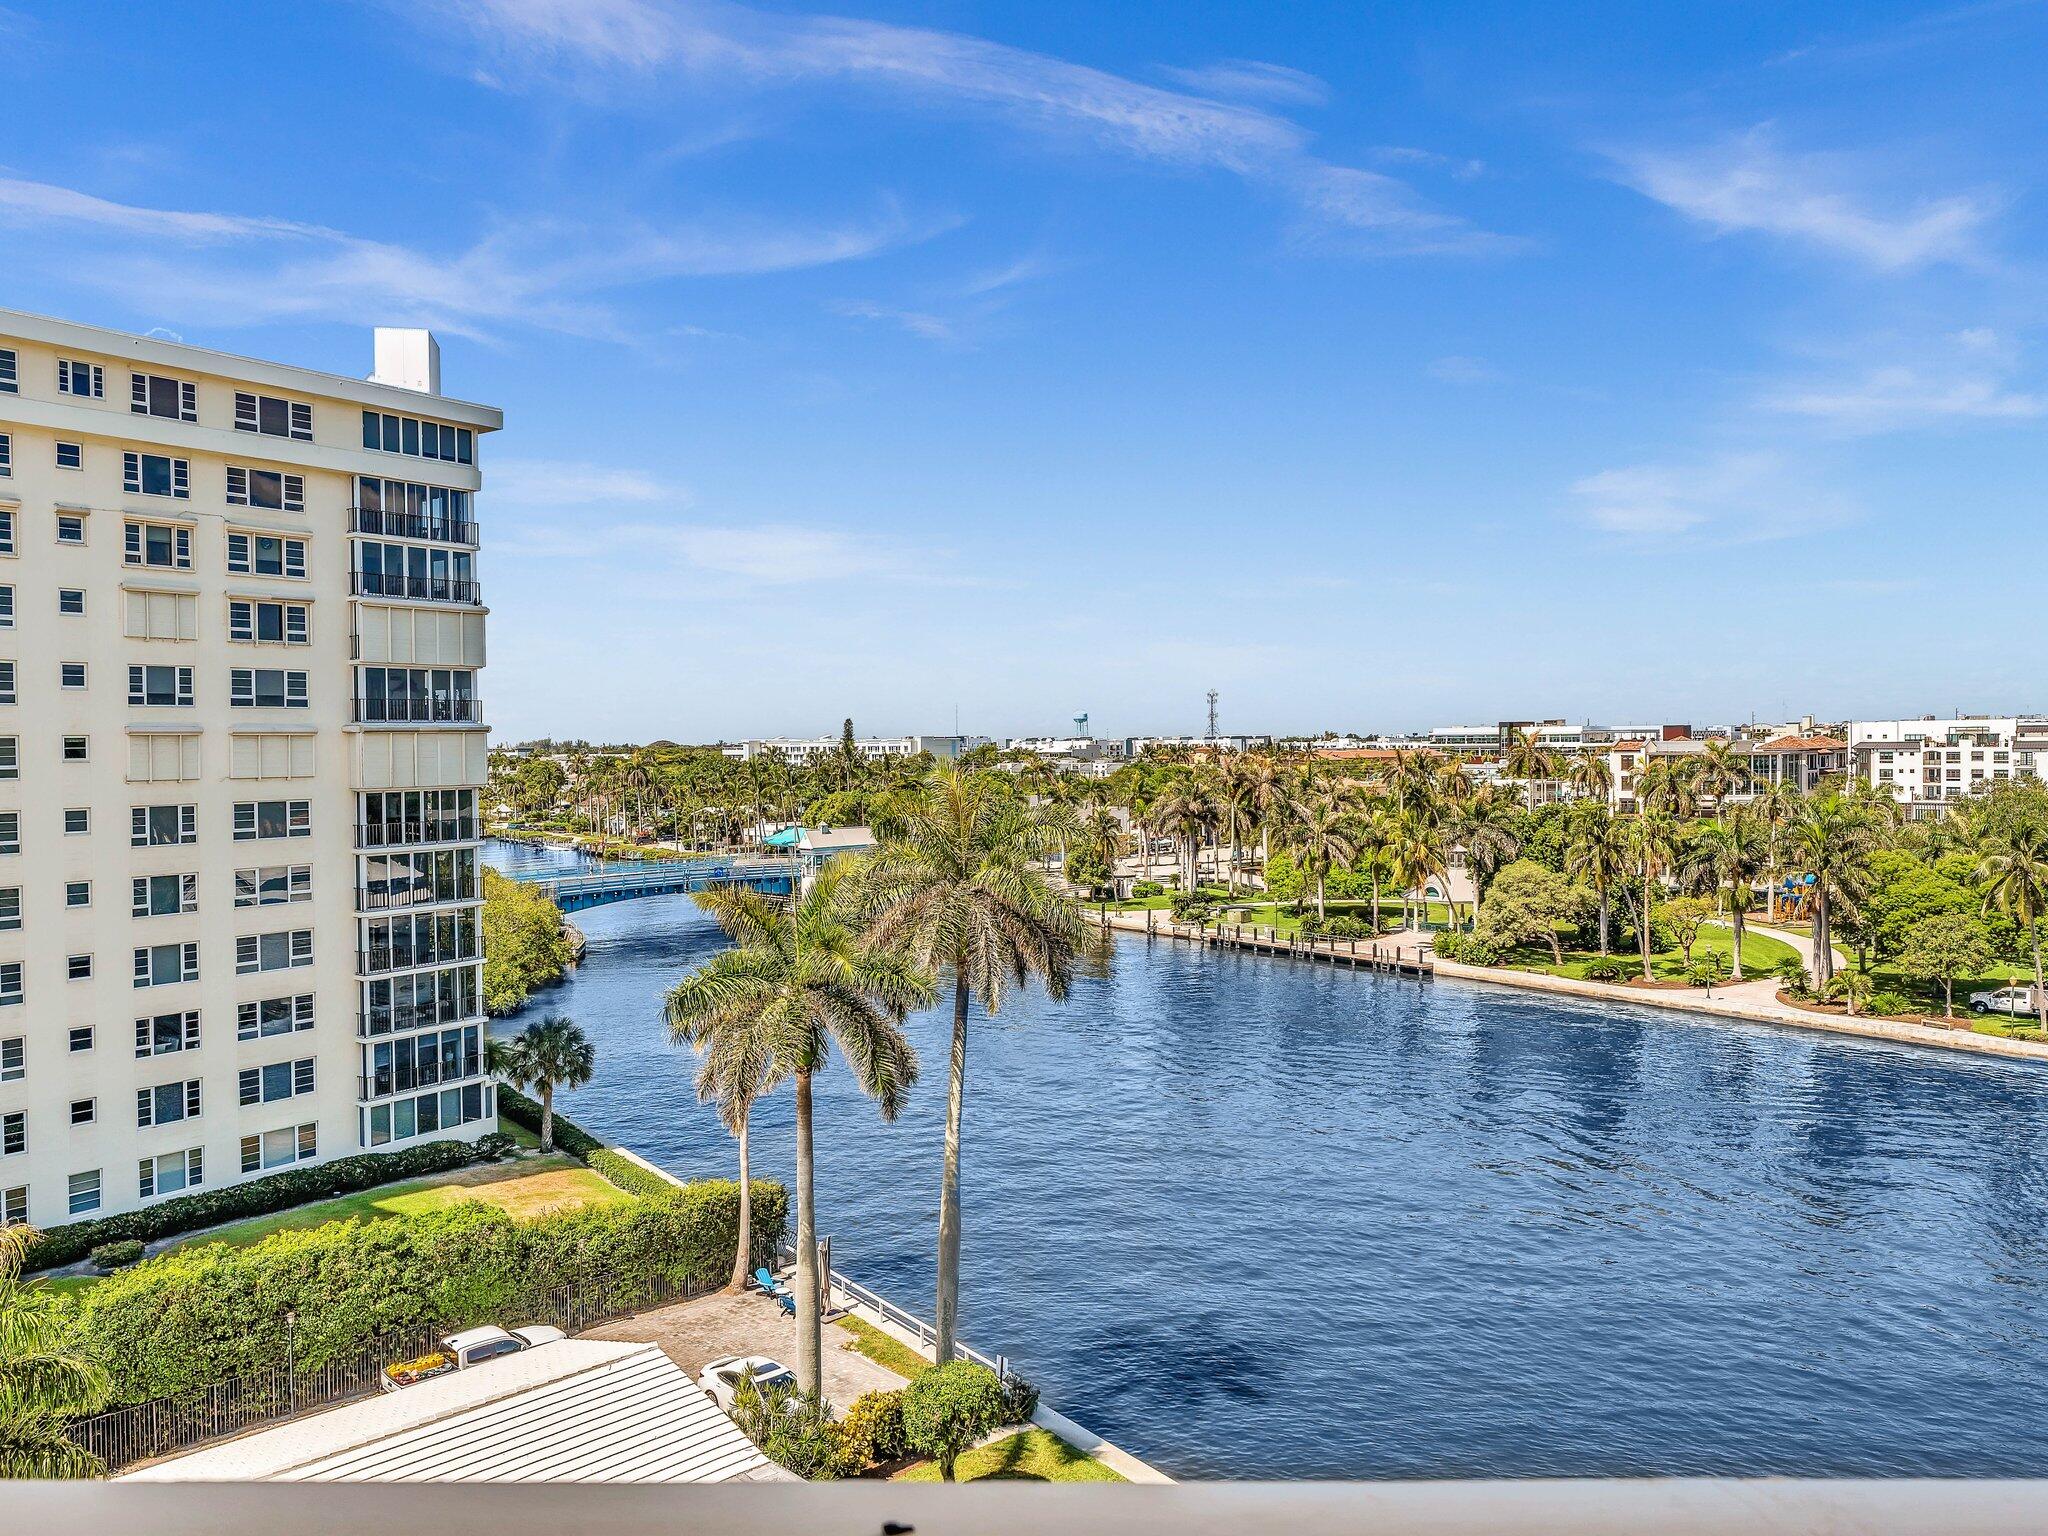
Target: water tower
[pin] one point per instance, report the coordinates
(1081, 724)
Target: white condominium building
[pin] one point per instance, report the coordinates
(803, 751)
(240, 750)
(1925, 763)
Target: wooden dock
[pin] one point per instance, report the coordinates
(1353, 954)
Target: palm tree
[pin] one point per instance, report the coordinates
(737, 1066)
(1598, 853)
(1829, 836)
(2015, 875)
(1717, 773)
(1731, 852)
(1664, 785)
(1265, 801)
(957, 892)
(1376, 833)
(799, 977)
(555, 1053)
(1182, 811)
(1322, 838)
(45, 1381)
(1590, 775)
(1410, 856)
(1529, 760)
(1657, 838)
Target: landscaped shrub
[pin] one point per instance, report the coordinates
(258, 1197)
(208, 1311)
(1347, 927)
(626, 1173)
(794, 1429)
(495, 1146)
(525, 1113)
(873, 1428)
(1143, 890)
(1450, 946)
(118, 1254)
(1798, 980)
(950, 1407)
(1020, 1399)
(1606, 970)
(1888, 1003)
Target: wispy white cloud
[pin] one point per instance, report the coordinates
(918, 322)
(573, 483)
(1462, 167)
(1749, 184)
(1251, 80)
(1967, 378)
(1735, 498)
(1464, 370)
(235, 269)
(609, 46)
(785, 554)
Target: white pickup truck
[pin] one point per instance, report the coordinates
(460, 1351)
(2013, 1000)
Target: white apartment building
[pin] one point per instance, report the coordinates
(803, 751)
(240, 749)
(1926, 763)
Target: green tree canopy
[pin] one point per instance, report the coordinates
(1526, 904)
(525, 947)
(1943, 947)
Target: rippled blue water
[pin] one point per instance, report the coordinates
(1252, 1219)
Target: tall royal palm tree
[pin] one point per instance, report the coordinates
(1655, 843)
(799, 976)
(1183, 812)
(1664, 786)
(1718, 772)
(1732, 853)
(2015, 875)
(1410, 856)
(1597, 851)
(1590, 776)
(46, 1381)
(1830, 836)
(1529, 760)
(1265, 800)
(1376, 833)
(736, 1066)
(957, 893)
(555, 1053)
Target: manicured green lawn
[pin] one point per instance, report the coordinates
(1761, 956)
(528, 1188)
(68, 1285)
(1032, 1456)
(884, 1349)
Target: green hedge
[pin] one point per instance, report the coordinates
(629, 1175)
(202, 1313)
(525, 1113)
(257, 1197)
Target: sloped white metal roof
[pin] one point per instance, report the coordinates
(577, 1410)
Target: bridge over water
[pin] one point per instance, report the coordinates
(629, 882)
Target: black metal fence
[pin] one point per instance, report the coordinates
(164, 1426)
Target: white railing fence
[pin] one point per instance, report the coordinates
(858, 1296)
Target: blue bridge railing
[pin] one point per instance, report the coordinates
(628, 882)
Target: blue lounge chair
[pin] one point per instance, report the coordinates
(765, 1278)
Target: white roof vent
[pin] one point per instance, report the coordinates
(408, 359)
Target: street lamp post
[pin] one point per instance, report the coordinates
(291, 1374)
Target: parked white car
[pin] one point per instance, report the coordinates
(2013, 1000)
(460, 1351)
(721, 1378)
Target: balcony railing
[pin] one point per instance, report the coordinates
(440, 710)
(406, 834)
(406, 1023)
(373, 898)
(380, 957)
(436, 589)
(411, 525)
(378, 1085)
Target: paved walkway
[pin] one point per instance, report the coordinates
(694, 1333)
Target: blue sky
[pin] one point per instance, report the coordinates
(1376, 366)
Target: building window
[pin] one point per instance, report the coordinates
(266, 688)
(168, 545)
(165, 895)
(420, 439)
(77, 820)
(7, 694)
(278, 1080)
(10, 372)
(71, 674)
(14, 1206)
(269, 623)
(71, 602)
(70, 527)
(160, 685)
(173, 1171)
(273, 417)
(83, 1192)
(10, 983)
(10, 908)
(77, 749)
(10, 757)
(161, 826)
(167, 1103)
(156, 474)
(262, 554)
(274, 1149)
(80, 1038)
(10, 831)
(6, 456)
(165, 1034)
(406, 509)
(274, 1016)
(13, 1059)
(163, 965)
(13, 1133)
(6, 607)
(78, 967)
(70, 456)
(281, 951)
(6, 519)
(78, 893)
(84, 1111)
(88, 380)
(270, 488)
(151, 394)
(256, 819)
(273, 885)
(429, 1112)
